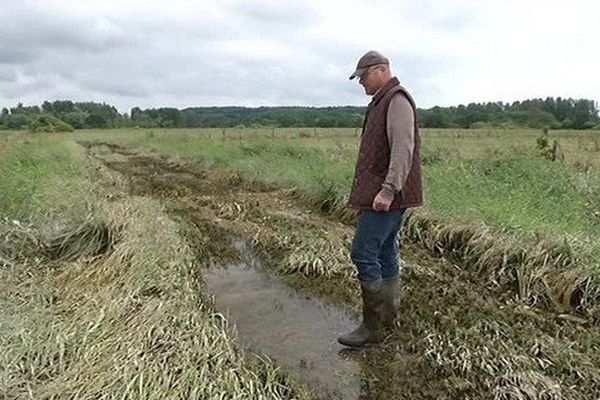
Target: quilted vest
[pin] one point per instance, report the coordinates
(374, 155)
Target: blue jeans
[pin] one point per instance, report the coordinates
(375, 245)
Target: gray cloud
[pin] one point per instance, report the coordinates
(19, 90)
(8, 73)
(25, 28)
(287, 14)
(228, 52)
(15, 56)
(440, 15)
(249, 53)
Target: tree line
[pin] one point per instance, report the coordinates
(65, 114)
(549, 113)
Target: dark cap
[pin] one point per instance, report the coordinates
(368, 60)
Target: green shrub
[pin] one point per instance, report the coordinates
(48, 123)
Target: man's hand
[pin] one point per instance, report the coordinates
(383, 200)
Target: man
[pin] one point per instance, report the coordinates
(387, 181)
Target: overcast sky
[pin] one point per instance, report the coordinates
(252, 53)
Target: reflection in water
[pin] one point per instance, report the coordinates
(297, 331)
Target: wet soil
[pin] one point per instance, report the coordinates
(453, 339)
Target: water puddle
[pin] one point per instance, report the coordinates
(296, 331)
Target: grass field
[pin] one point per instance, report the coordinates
(490, 177)
(100, 245)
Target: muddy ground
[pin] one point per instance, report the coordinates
(454, 338)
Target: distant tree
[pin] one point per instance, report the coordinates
(96, 121)
(100, 115)
(77, 119)
(135, 112)
(20, 109)
(435, 117)
(548, 112)
(533, 118)
(143, 120)
(16, 121)
(59, 107)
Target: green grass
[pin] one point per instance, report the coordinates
(494, 178)
(475, 182)
(518, 191)
(40, 175)
(317, 174)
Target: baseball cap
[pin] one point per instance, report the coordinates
(368, 60)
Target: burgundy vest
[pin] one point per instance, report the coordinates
(374, 155)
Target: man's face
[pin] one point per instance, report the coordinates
(370, 79)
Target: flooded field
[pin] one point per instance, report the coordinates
(198, 281)
(479, 338)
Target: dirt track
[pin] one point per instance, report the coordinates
(451, 330)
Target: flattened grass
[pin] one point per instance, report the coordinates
(100, 295)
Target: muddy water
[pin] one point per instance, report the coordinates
(298, 332)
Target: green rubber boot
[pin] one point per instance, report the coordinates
(391, 302)
(370, 330)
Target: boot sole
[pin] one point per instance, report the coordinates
(359, 346)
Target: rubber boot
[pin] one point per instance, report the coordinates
(370, 330)
(391, 301)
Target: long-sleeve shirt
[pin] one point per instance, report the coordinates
(401, 139)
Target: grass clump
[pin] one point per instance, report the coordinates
(553, 274)
(89, 239)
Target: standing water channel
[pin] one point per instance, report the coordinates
(298, 332)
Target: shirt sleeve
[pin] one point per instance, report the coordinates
(401, 138)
